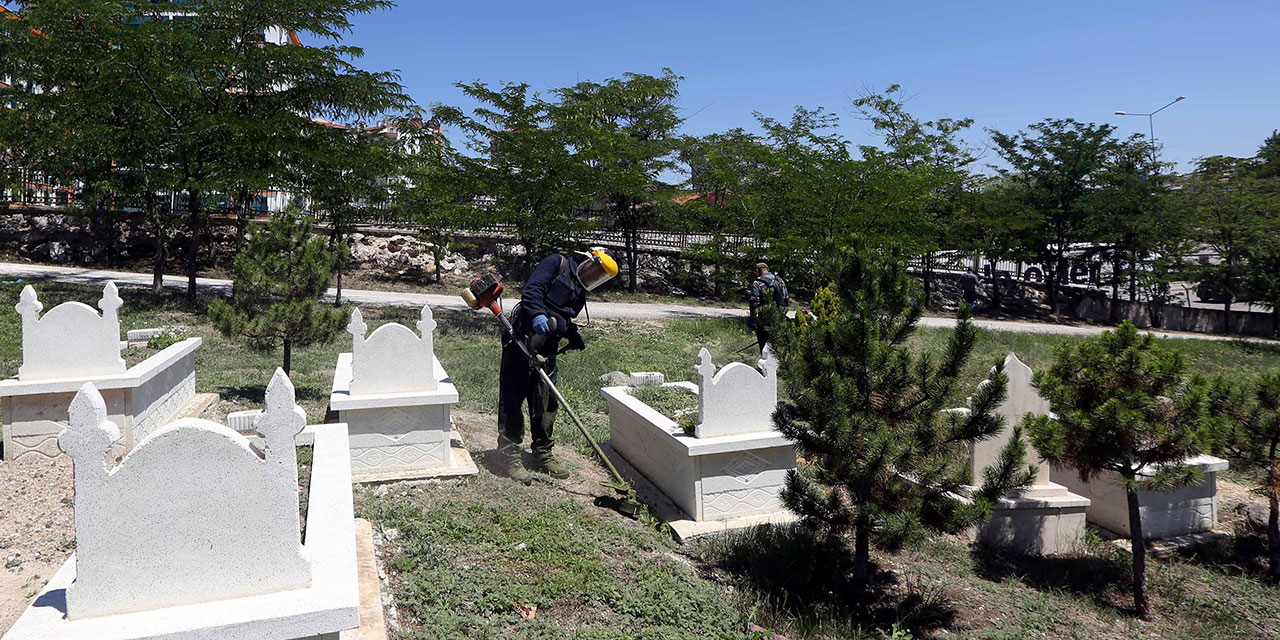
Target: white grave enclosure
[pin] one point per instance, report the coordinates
(1045, 518)
(1188, 509)
(396, 399)
(71, 345)
(731, 472)
(196, 535)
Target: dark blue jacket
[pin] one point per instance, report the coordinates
(555, 294)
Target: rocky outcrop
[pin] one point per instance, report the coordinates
(401, 253)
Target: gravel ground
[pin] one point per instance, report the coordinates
(36, 533)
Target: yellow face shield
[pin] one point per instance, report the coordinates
(596, 269)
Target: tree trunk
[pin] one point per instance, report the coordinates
(335, 241)
(1114, 315)
(195, 213)
(288, 355)
(928, 279)
(1140, 602)
(242, 220)
(633, 257)
(161, 245)
(862, 552)
(1273, 535)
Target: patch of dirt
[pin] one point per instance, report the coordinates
(479, 432)
(1230, 495)
(36, 529)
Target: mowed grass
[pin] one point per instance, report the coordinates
(471, 556)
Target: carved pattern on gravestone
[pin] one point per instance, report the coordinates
(736, 501)
(1022, 398)
(393, 359)
(191, 515)
(736, 399)
(745, 467)
(400, 455)
(72, 340)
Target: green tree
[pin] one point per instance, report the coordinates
(1251, 435)
(279, 278)
(624, 130)
(992, 223)
(1231, 211)
(725, 172)
(1123, 404)
(932, 173)
(1128, 214)
(440, 197)
(210, 76)
(1055, 163)
(521, 171)
(349, 177)
(866, 410)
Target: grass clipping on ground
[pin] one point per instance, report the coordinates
(677, 403)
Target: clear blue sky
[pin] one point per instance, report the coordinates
(1006, 64)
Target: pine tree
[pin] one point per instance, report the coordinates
(867, 413)
(279, 278)
(1252, 436)
(1123, 404)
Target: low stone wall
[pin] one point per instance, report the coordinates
(32, 414)
(1096, 306)
(1165, 514)
(710, 479)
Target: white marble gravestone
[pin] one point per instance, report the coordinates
(192, 514)
(1045, 518)
(730, 473)
(72, 345)
(396, 398)
(737, 398)
(72, 340)
(195, 535)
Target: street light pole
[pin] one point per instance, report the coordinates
(1151, 125)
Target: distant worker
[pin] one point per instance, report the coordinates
(969, 282)
(554, 295)
(767, 287)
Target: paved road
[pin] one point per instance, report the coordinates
(615, 310)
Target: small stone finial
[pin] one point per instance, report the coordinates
(89, 434)
(29, 306)
(282, 418)
(110, 303)
(357, 328)
(705, 367)
(427, 322)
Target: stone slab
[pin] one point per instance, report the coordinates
(134, 377)
(683, 527)
(461, 465)
(1046, 520)
(373, 624)
(142, 335)
(1022, 398)
(330, 605)
(392, 359)
(341, 398)
(167, 525)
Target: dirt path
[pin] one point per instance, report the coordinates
(615, 310)
(36, 533)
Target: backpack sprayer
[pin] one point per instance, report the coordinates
(486, 293)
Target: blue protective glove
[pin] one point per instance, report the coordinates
(540, 325)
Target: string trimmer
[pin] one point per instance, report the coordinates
(486, 293)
